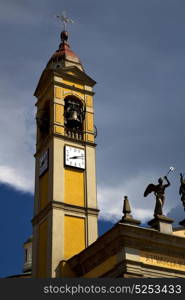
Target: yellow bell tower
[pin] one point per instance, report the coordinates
(65, 208)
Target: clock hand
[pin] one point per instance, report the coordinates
(76, 157)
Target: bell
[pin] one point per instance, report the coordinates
(73, 120)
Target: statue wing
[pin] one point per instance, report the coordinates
(180, 190)
(150, 188)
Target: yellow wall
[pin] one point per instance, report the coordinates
(89, 101)
(103, 268)
(74, 187)
(80, 95)
(42, 250)
(59, 118)
(80, 86)
(59, 130)
(58, 92)
(161, 260)
(90, 138)
(43, 190)
(59, 114)
(90, 122)
(74, 235)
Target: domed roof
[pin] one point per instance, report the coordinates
(64, 56)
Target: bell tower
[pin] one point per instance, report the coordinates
(65, 207)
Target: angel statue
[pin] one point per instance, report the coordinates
(182, 189)
(159, 192)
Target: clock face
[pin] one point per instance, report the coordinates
(75, 157)
(43, 162)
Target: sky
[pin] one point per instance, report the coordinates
(135, 51)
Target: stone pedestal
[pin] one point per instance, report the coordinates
(129, 220)
(182, 223)
(162, 224)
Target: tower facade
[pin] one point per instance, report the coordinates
(65, 208)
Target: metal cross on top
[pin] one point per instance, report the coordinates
(64, 19)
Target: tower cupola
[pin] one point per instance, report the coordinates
(64, 56)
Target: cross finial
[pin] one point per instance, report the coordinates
(64, 19)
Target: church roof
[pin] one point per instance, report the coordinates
(127, 244)
(64, 56)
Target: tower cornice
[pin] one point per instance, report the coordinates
(72, 74)
(65, 207)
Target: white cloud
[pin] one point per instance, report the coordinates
(13, 177)
(17, 139)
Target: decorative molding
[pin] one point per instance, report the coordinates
(73, 88)
(66, 208)
(122, 236)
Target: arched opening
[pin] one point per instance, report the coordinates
(74, 114)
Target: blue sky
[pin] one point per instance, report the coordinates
(135, 50)
(15, 223)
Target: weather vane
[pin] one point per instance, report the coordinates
(64, 19)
